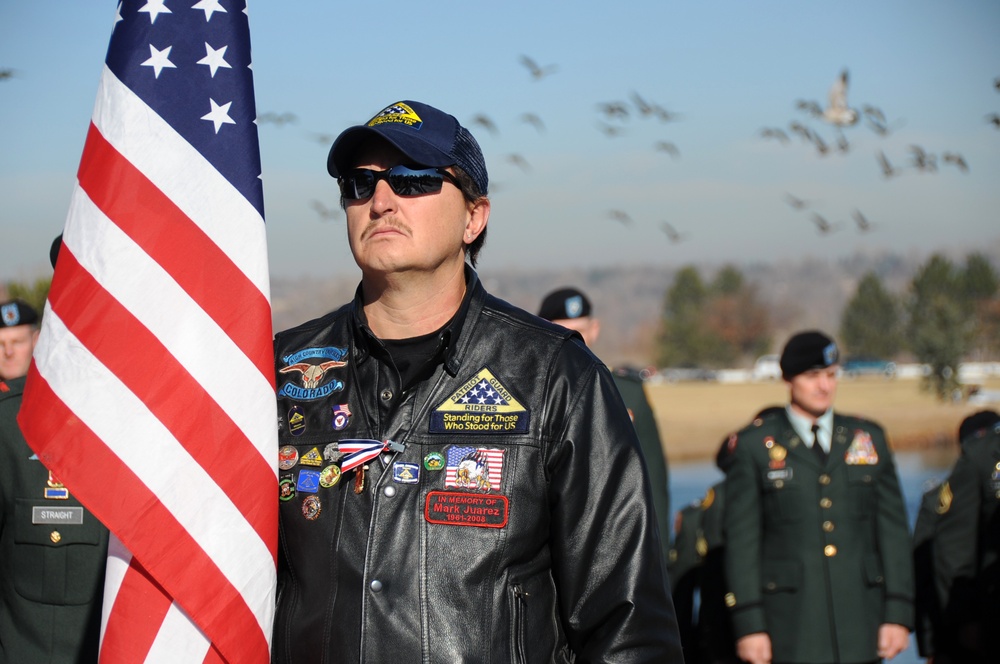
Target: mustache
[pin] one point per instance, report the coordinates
(381, 224)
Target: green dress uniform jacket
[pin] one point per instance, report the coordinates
(52, 557)
(928, 609)
(631, 387)
(967, 549)
(817, 556)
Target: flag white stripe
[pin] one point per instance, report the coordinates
(178, 639)
(143, 287)
(184, 175)
(118, 418)
(119, 558)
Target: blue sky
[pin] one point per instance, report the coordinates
(726, 68)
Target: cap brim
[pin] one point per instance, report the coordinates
(404, 140)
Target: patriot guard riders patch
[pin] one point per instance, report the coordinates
(481, 405)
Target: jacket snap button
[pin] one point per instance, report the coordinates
(389, 491)
(376, 586)
(386, 395)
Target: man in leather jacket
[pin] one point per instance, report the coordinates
(458, 479)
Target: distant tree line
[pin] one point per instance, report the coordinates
(948, 314)
(34, 293)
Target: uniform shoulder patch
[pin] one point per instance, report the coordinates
(944, 499)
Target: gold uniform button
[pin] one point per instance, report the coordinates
(730, 600)
(828, 526)
(824, 479)
(826, 503)
(829, 550)
(55, 537)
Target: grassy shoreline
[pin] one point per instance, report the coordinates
(695, 417)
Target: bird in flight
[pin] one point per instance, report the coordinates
(614, 110)
(774, 132)
(887, 169)
(537, 72)
(994, 119)
(956, 159)
(486, 123)
(671, 232)
(837, 111)
(669, 148)
(534, 121)
(621, 217)
(6, 74)
(279, 119)
(796, 202)
(861, 221)
(323, 211)
(519, 161)
(822, 225)
(923, 160)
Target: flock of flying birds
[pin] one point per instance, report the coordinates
(613, 117)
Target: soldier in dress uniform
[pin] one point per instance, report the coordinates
(52, 550)
(572, 309)
(933, 639)
(715, 631)
(817, 556)
(966, 551)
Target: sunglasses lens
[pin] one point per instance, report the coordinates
(357, 184)
(360, 183)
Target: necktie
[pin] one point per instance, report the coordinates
(816, 447)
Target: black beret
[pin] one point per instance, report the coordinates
(17, 312)
(976, 422)
(805, 351)
(564, 303)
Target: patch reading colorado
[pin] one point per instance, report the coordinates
(466, 509)
(481, 405)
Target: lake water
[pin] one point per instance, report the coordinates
(688, 482)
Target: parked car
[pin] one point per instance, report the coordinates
(767, 367)
(868, 366)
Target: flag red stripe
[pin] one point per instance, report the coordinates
(168, 390)
(155, 223)
(168, 549)
(126, 639)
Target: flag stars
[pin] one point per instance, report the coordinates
(154, 8)
(118, 15)
(219, 115)
(209, 6)
(159, 60)
(214, 58)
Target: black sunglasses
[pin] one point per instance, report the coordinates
(360, 183)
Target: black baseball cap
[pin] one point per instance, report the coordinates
(17, 312)
(563, 304)
(426, 135)
(805, 351)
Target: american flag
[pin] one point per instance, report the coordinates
(151, 394)
(491, 460)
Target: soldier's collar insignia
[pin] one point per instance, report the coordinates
(482, 405)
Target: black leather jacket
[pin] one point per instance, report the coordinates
(509, 521)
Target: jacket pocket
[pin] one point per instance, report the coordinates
(873, 571)
(57, 562)
(517, 599)
(781, 576)
(862, 497)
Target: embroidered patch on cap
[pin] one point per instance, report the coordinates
(481, 405)
(466, 509)
(399, 113)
